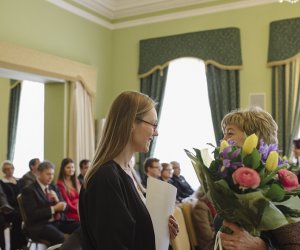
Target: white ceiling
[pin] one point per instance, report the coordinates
(115, 9)
(105, 12)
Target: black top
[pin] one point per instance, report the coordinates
(11, 191)
(112, 214)
(3, 198)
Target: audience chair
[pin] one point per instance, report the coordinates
(7, 232)
(181, 242)
(187, 213)
(31, 241)
(54, 247)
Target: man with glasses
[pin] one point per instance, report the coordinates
(152, 168)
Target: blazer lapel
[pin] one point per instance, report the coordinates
(41, 192)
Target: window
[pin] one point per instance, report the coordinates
(30, 131)
(185, 120)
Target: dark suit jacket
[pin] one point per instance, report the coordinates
(184, 189)
(36, 205)
(26, 180)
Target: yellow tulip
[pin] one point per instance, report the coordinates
(222, 168)
(272, 161)
(224, 144)
(250, 144)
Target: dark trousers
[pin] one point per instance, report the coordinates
(54, 231)
(73, 242)
(17, 238)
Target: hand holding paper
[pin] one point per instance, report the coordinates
(160, 201)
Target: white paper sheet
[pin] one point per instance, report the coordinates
(160, 202)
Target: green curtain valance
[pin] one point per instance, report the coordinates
(284, 40)
(220, 46)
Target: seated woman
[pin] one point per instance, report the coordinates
(69, 187)
(166, 173)
(203, 214)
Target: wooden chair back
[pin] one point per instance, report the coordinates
(181, 242)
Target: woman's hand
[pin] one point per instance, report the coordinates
(240, 239)
(173, 227)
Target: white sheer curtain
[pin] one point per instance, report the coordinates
(81, 124)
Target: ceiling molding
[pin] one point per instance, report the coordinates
(103, 7)
(154, 19)
(116, 9)
(79, 12)
(192, 13)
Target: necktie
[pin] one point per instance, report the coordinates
(47, 194)
(56, 216)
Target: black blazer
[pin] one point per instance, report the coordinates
(112, 214)
(36, 205)
(11, 191)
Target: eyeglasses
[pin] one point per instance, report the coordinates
(155, 167)
(152, 124)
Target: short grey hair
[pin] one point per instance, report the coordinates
(45, 165)
(6, 162)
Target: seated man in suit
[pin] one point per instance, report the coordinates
(44, 206)
(30, 176)
(184, 189)
(152, 168)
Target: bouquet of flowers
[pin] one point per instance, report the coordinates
(250, 187)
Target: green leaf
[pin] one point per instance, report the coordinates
(272, 218)
(252, 160)
(199, 167)
(289, 211)
(244, 209)
(268, 177)
(276, 192)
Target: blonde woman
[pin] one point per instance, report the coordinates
(237, 125)
(113, 215)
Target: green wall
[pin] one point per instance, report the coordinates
(254, 26)
(56, 118)
(42, 26)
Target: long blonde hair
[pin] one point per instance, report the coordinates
(124, 111)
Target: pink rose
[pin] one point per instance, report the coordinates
(288, 179)
(246, 177)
